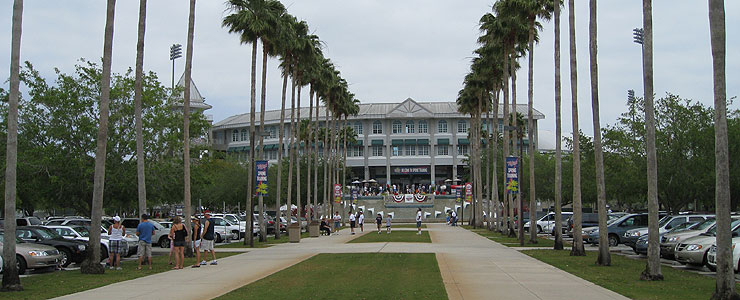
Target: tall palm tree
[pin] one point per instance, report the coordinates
(558, 132)
(577, 249)
(91, 265)
(725, 288)
(11, 280)
(604, 258)
(652, 267)
(186, 121)
(138, 91)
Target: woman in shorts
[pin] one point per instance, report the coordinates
(116, 243)
(178, 234)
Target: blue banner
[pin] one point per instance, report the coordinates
(261, 166)
(512, 174)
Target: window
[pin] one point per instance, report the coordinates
(410, 150)
(271, 154)
(396, 150)
(377, 151)
(235, 136)
(423, 128)
(356, 151)
(443, 150)
(409, 126)
(357, 127)
(442, 126)
(462, 126)
(273, 132)
(397, 127)
(245, 136)
(462, 149)
(424, 150)
(500, 126)
(377, 127)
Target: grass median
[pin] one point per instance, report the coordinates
(623, 276)
(398, 236)
(267, 243)
(60, 283)
(352, 276)
(511, 241)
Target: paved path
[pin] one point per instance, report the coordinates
(472, 267)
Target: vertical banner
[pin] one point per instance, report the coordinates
(354, 195)
(458, 194)
(337, 193)
(261, 166)
(468, 192)
(512, 174)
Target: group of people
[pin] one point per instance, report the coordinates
(201, 237)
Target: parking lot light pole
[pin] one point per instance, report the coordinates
(175, 53)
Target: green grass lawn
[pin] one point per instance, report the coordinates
(511, 241)
(398, 236)
(623, 276)
(352, 276)
(267, 243)
(406, 226)
(59, 283)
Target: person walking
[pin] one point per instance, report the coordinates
(115, 243)
(454, 218)
(337, 222)
(145, 231)
(178, 234)
(361, 221)
(195, 237)
(207, 238)
(352, 223)
(418, 221)
(379, 221)
(388, 224)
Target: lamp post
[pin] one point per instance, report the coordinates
(175, 53)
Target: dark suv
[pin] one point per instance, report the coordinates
(71, 251)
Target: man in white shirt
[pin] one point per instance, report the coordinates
(361, 221)
(337, 221)
(454, 218)
(418, 221)
(352, 222)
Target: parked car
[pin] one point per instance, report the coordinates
(589, 220)
(693, 251)
(546, 223)
(71, 250)
(712, 255)
(32, 255)
(23, 221)
(235, 219)
(304, 222)
(641, 245)
(70, 222)
(80, 233)
(665, 224)
(224, 230)
(669, 241)
(160, 236)
(616, 228)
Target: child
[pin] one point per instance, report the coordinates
(379, 220)
(388, 224)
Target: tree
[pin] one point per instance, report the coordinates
(578, 249)
(604, 258)
(186, 124)
(558, 133)
(725, 288)
(652, 268)
(11, 280)
(138, 91)
(91, 265)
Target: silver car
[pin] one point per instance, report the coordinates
(669, 241)
(693, 251)
(34, 256)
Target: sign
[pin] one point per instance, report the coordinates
(468, 192)
(458, 194)
(354, 196)
(261, 166)
(337, 193)
(409, 170)
(512, 174)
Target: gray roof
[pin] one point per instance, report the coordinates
(197, 101)
(406, 109)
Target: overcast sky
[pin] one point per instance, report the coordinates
(387, 50)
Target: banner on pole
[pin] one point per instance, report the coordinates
(458, 194)
(337, 193)
(468, 192)
(354, 195)
(261, 166)
(512, 174)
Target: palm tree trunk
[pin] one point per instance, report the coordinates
(298, 194)
(309, 157)
(316, 164)
(506, 203)
(186, 126)
(604, 258)
(326, 201)
(725, 288)
(516, 198)
(558, 134)
(291, 150)
(11, 280)
(260, 201)
(478, 174)
(489, 190)
(91, 265)
(251, 165)
(344, 158)
(530, 137)
(138, 91)
(279, 191)
(652, 268)
(577, 249)
(494, 144)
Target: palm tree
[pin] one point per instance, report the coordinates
(725, 288)
(91, 265)
(138, 91)
(558, 133)
(604, 258)
(577, 249)
(652, 268)
(11, 280)
(186, 121)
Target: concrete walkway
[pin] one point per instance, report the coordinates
(472, 267)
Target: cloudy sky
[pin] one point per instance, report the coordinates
(387, 53)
